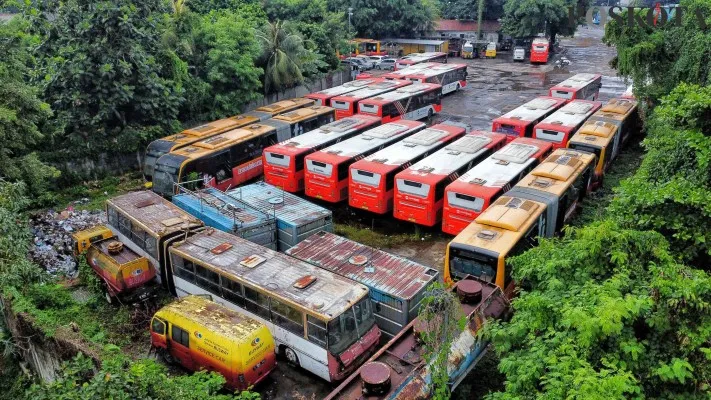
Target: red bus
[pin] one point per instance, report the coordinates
(520, 121)
(326, 174)
(284, 162)
(558, 127)
(417, 101)
(323, 97)
(539, 50)
(419, 190)
(418, 58)
(347, 104)
(578, 87)
(405, 73)
(473, 192)
(372, 179)
(452, 77)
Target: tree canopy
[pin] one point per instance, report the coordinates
(468, 9)
(530, 17)
(393, 18)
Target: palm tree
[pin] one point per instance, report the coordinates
(282, 55)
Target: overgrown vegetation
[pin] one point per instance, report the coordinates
(373, 238)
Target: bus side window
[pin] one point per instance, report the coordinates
(316, 331)
(389, 110)
(112, 216)
(287, 317)
(158, 326)
(208, 279)
(257, 302)
(232, 291)
(185, 269)
(180, 336)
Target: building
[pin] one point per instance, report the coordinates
(403, 47)
(452, 28)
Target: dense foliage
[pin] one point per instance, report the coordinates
(468, 9)
(393, 18)
(530, 17)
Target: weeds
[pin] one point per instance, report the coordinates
(372, 238)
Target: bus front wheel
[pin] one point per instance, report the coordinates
(291, 356)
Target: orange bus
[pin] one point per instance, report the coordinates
(323, 97)
(578, 87)
(558, 127)
(372, 180)
(165, 145)
(539, 50)
(417, 101)
(284, 162)
(326, 175)
(471, 194)
(520, 121)
(418, 58)
(419, 190)
(347, 104)
(233, 157)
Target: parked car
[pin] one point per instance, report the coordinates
(377, 60)
(358, 61)
(369, 64)
(352, 65)
(519, 53)
(387, 64)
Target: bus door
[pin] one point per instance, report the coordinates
(179, 346)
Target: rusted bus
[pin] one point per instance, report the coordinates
(147, 223)
(409, 376)
(320, 320)
(397, 285)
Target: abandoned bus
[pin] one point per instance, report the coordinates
(451, 77)
(284, 162)
(201, 334)
(347, 104)
(417, 101)
(578, 87)
(372, 179)
(323, 97)
(326, 174)
(147, 223)
(622, 113)
(165, 145)
(419, 190)
(561, 182)
(233, 157)
(520, 121)
(320, 321)
(397, 285)
(417, 58)
(539, 50)
(601, 139)
(510, 226)
(473, 192)
(405, 73)
(558, 127)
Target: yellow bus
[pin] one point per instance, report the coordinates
(233, 157)
(165, 145)
(147, 224)
(201, 334)
(507, 228)
(599, 138)
(622, 113)
(320, 321)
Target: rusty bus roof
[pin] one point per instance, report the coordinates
(197, 133)
(216, 318)
(394, 275)
(123, 256)
(594, 133)
(156, 215)
(500, 226)
(222, 140)
(277, 274)
(557, 172)
(286, 105)
(303, 113)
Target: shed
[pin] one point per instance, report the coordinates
(296, 218)
(410, 46)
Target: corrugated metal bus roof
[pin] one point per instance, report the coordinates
(155, 213)
(392, 274)
(328, 296)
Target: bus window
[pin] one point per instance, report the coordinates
(316, 331)
(465, 201)
(208, 280)
(277, 159)
(563, 94)
(352, 324)
(465, 263)
(158, 326)
(232, 291)
(366, 178)
(257, 302)
(287, 317)
(410, 187)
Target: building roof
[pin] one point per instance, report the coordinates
(414, 41)
(444, 25)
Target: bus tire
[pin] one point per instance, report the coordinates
(165, 355)
(290, 356)
(429, 114)
(458, 87)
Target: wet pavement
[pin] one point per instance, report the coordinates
(495, 86)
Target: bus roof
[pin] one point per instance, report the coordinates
(556, 173)
(577, 81)
(302, 114)
(532, 110)
(331, 131)
(571, 114)
(372, 90)
(402, 93)
(196, 133)
(453, 156)
(370, 139)
(154, 213)
(622, 107)
(214, 317)
(413, 146)
(403, 73)
(320, 292)
(594, 133)
(394, 275)
(500, 226)
(286, 105)
(435, 70)
(540, 41)
(419, 57)
(209, 145)
(344, 88)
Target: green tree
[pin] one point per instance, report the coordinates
(283, 57)
(23, 115)
(608, 313)
(529, 17)
(467, 9)
(103, 80)
(393, 18)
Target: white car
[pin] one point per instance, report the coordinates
(377, 60)
(358, 62)
(387, 64)
(519, 54)
(369, 64)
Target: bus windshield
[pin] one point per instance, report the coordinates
(587, 149)
(465, 262)
(166, 174)
(350, 326)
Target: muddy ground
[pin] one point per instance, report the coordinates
(494, 88)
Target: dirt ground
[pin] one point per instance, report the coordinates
(494, 88)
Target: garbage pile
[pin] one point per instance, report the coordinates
(52, 237)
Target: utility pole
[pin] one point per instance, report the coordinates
(350, 12)
(480, 14)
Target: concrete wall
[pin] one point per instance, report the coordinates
(334, 79)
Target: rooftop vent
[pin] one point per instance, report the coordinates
(252, 261)
(486, 234)
(219, 249)
(304, 282)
